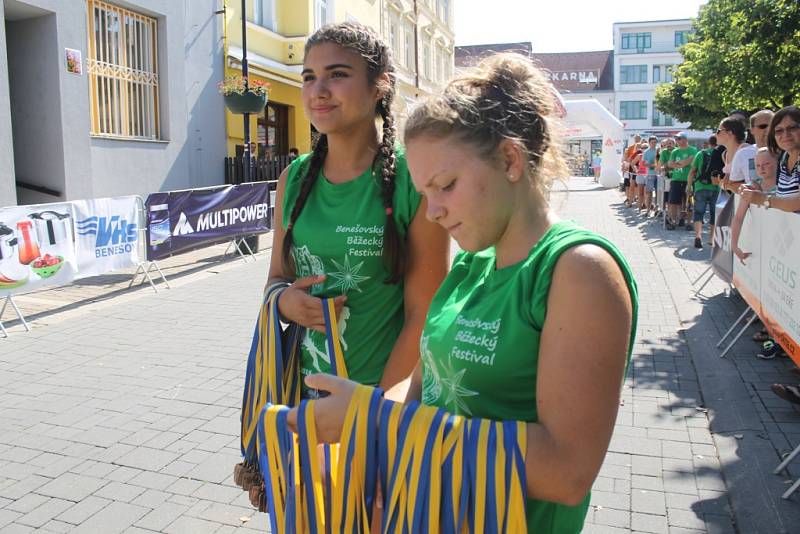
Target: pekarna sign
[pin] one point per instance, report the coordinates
(579, 76)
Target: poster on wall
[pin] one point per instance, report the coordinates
(180, 221)
(74, 61)
(106, 235)
(36, 247)
(780, 279)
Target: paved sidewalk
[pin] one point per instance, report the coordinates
(123, 416)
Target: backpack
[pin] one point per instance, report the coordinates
(712, 161)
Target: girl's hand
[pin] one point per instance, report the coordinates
(742, 255)
(329, 412)
(296, 305)
(752, 196)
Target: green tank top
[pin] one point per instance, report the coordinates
(479, 320)
(340, 233)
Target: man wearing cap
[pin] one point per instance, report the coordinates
(680, 160)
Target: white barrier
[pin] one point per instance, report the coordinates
(769, 280)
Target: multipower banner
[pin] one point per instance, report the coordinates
(180, 221)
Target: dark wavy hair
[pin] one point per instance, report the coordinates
(788, 111)
(735, 126)
(365, 42)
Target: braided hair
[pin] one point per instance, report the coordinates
(377, 55)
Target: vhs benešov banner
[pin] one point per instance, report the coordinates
(106, 234)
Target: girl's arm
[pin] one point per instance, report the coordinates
(582, 358)
(736, 229)
(428, 251)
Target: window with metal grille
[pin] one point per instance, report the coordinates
(123, 72)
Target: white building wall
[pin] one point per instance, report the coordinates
(662, 51)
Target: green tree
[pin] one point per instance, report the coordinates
(744, 54)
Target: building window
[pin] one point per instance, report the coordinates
(636, 41)
(408, 47)
(681, 38)
(426, 59)
(273, 131)
(661, 119)
(633, 74)
(264, 13)
(123, 74)
(393, 33)
(322, 12)
(633, 109)
(662, 73)
(439, 64)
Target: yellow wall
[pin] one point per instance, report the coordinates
(280, 93)
(293, 21)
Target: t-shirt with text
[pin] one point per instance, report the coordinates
(340, 233)
(479, 349)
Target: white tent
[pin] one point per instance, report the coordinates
(586, 119)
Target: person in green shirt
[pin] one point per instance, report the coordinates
(536, 320)
(679, 161)
(351, 225)
(667, 146)
(701, 185)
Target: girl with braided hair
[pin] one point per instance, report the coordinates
(350, 224)
(536, 319)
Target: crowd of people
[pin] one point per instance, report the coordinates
(755, 156)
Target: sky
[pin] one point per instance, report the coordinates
(558, 25)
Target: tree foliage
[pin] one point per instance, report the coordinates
(744, 54)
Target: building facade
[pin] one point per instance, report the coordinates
(419, 32)
(422, 36)
(645, 54)
(102, 99)
(575, 75)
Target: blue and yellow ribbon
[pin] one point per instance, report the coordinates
(437, 472)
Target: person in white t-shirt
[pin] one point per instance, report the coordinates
(740, 166)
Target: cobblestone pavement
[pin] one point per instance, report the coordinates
(123, 417)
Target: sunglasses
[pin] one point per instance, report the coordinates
(792, 128)
(720, 130)
(761, 126)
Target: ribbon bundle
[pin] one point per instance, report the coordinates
(437, 472)
(271, 376)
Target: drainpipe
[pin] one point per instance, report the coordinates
(416, 47)
(246, 116)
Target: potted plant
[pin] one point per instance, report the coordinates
(239, 100)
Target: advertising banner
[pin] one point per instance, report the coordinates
(180, 221)
(37, 247)
(780, 279)
(106, 234)
(722, 253)
(747, 273)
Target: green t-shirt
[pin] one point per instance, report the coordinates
(663, 158)
(697, 164)
(340, 233)
(682, 175)
(480, 345)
